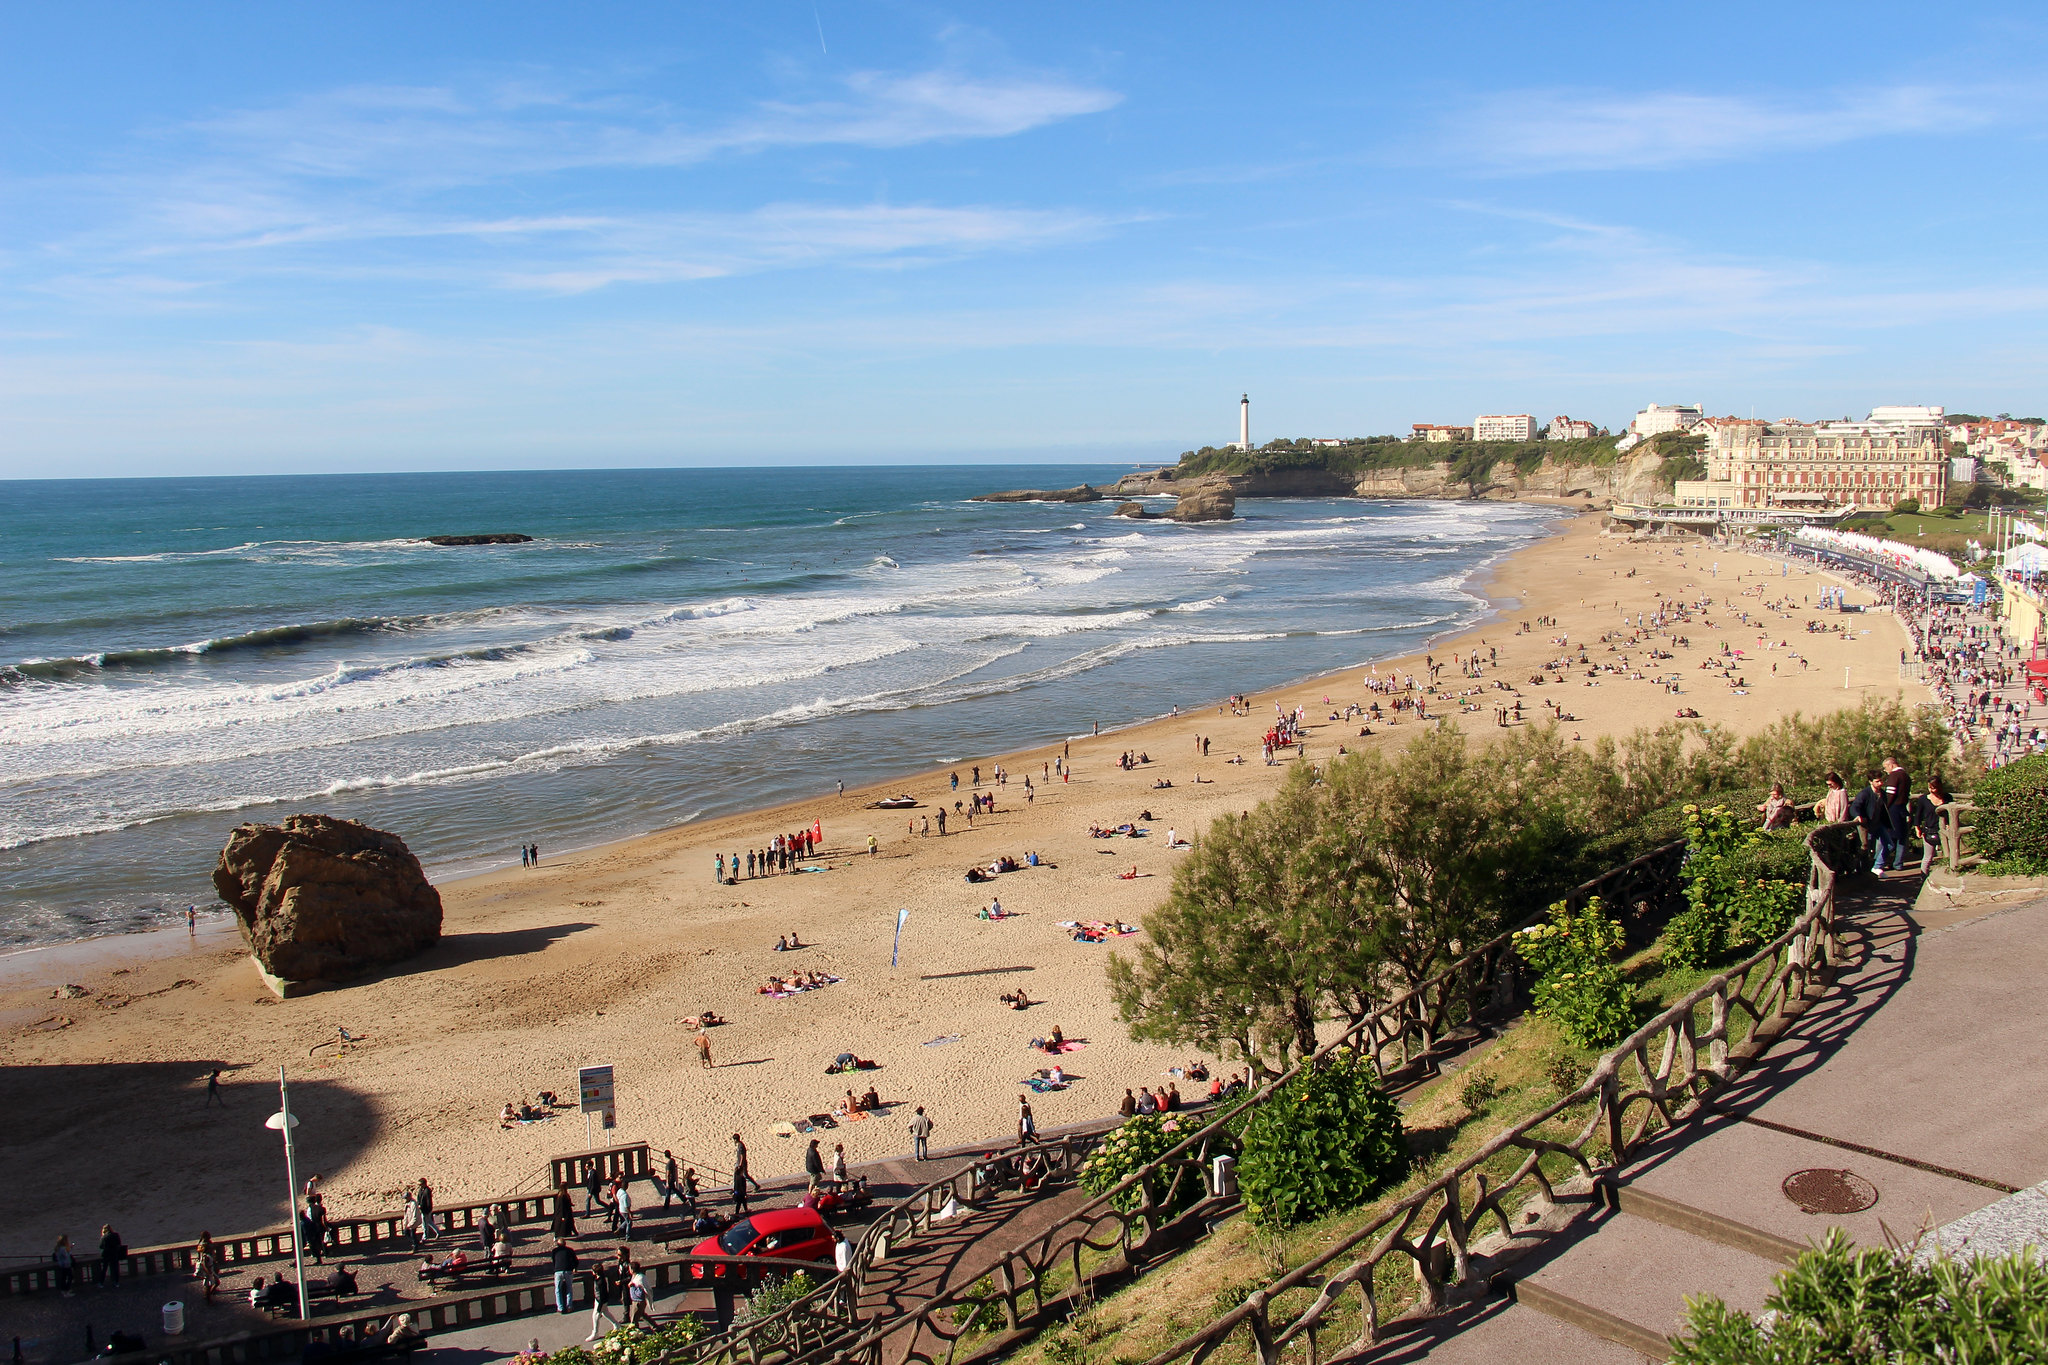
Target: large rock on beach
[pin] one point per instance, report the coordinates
(322, 901)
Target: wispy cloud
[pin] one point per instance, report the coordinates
(701, 246)
(1538, 131)
(455, 183)
(469, 133)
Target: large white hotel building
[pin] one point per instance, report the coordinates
(1896, 453)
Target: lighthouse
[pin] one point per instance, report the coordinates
(1244, 422)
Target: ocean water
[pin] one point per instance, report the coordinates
(181, 655)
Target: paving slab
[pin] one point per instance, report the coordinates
(1496, 1333)
(1642, 1272)
(1931, 1050)
(1738, 1170)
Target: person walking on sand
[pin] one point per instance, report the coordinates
(718, 870)
(213, 1095)
(704, 1050)
(112, 1252)
(740, 1178)
(920, 1133)
(1027, 1125)
(62, 1261)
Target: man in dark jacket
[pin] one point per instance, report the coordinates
(1898, 794)
(564, 1260)
(1872, 820)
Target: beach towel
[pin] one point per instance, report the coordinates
(941, 1042)
(1040, 1085)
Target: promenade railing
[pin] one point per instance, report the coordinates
(361, 1235)
(1955, 836)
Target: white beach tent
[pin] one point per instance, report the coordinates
(2027, 557)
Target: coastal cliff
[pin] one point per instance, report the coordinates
(1208, 482)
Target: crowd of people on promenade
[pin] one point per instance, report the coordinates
(1979, 677)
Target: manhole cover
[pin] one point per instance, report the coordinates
(1821, 1190)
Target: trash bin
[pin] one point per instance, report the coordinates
(1223, 1177)
(174, 1317)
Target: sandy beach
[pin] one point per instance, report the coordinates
(601, 956)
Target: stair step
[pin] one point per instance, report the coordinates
(1597, 1322)
(1627, 1278)
(1712, 1226)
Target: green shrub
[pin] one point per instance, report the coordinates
(1577, 982)
(980, 1317)
(1841, 1303)
(1798, 751)
(1139, 1141)
(2011, 821)
(1479, 1091)
(1731, 901)
(1565, 1073)
(1329, 1139)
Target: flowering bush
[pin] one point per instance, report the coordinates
(1140, 1140)
(1728, 905)
(627, 1345)
(1577, 983)
(778, 1292)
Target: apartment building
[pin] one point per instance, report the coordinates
(1517, 426)
(1659, 418)
(1896, 453)
(1431, 431)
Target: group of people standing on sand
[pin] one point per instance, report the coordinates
(783, 852)
(529, 855)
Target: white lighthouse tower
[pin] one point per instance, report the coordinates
(1244, 422)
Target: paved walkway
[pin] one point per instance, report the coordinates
(1924, 1073)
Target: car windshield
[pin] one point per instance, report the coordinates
(735, 1238)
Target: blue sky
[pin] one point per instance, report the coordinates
(304, 237)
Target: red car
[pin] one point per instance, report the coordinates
(792, 1234)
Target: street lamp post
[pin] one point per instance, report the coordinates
(283, 1122)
